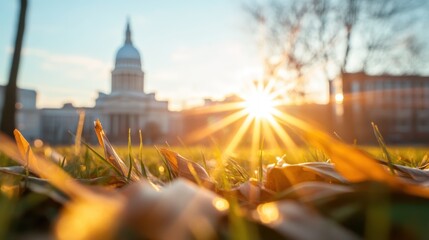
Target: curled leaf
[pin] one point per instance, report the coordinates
(297, 221)
(311, 191)
(414, 175)
(111, 155)
(23, 182)
(44, 168)
(281, 178)
(251, 193)
(182, 167)
(354, 164)
(95, 217)
(181, 210)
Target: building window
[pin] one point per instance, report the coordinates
(403, 124)
(369, 86)
(425, 95)
(355, 87)
(388, 84)
(423, 121)
(423, 125)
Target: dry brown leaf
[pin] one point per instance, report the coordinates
(358, 166)
(23, 182)
(44, 168)
(411, 174)
(182, 167)
(311, 191)
(96, 216)
(281, 178)
(110, 153)
(250, 193)
(354, 164)
(297, 221)
(181, 210)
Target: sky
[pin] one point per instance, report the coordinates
(190, 49)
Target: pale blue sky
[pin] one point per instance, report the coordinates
(190, 49)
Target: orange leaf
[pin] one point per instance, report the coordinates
(180, 210)
(182, 167)
(297, 221)
(110, 153)
(253, 193)
(353, 164)
(281, 178)
(46, 169)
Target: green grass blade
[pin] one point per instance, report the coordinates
(62, 163)
(100, 156)
(103, 159)
(142, 165)
(383, 146)
(130, 158)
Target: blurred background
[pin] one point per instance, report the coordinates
(147, 65)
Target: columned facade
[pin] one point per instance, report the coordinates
(128, 106)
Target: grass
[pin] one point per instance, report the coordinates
(89, 165)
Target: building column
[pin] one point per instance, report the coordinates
(115, 124)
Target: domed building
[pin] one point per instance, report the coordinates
(128, 106)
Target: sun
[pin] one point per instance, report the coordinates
(259, 111)
(259, 104)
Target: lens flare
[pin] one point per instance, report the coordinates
(268, 213)
(220, 204)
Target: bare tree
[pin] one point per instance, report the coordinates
(9, 108)
(338, 37)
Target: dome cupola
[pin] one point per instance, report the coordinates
(128, 56)
(128, 76)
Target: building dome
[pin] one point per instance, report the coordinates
(128, 56)
(128, 76)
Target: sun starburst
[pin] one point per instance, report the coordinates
(259, 104)
(257, 111)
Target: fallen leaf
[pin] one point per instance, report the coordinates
(111, 155)
(43, 168)
(97, 216)
(311, 191)
(185, 168)
(250, 193)
(281, 178)
(297, 221)
(180, 210)
(414, 175)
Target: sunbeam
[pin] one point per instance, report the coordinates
(262, 118)
(217, 126)
(239, 135)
